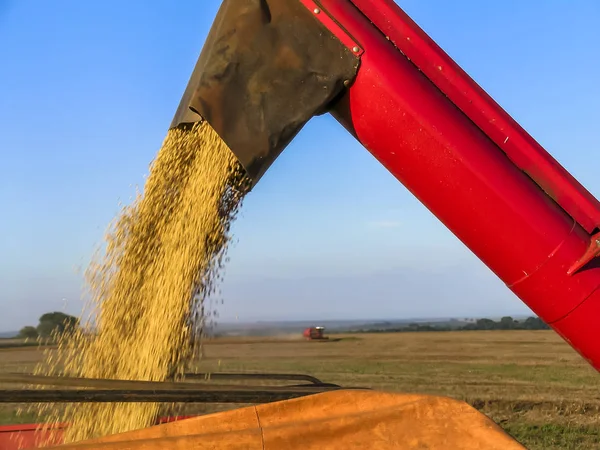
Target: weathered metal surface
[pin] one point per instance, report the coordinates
(254, 376)
(104, 390)
(97, 383)
(228, 395)
(267, 67)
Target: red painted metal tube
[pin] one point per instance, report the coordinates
(460, 174)
(470, 98)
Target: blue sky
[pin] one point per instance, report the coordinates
(88, 89)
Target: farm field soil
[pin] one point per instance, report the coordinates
(530, 382)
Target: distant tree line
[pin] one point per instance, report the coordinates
(505, 323)
(50, 325)
(508, 323)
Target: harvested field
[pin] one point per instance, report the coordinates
(530, 382)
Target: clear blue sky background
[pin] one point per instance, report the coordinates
(88, 89)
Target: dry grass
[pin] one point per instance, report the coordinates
(530, 382)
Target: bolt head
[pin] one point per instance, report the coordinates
(355, 49)
(316, 10)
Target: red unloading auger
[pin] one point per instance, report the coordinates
(268, 66)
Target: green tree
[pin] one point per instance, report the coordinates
(507, 323)
(56, 323)
(535, 323)
(46, 329)
(28, 332)
(486, 324)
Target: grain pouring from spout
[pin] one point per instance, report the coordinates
(164, 256)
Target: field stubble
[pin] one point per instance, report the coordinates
(530, 382)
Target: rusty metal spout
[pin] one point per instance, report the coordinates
(266, 68)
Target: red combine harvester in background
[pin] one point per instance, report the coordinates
(267, 68)
(315, 334)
